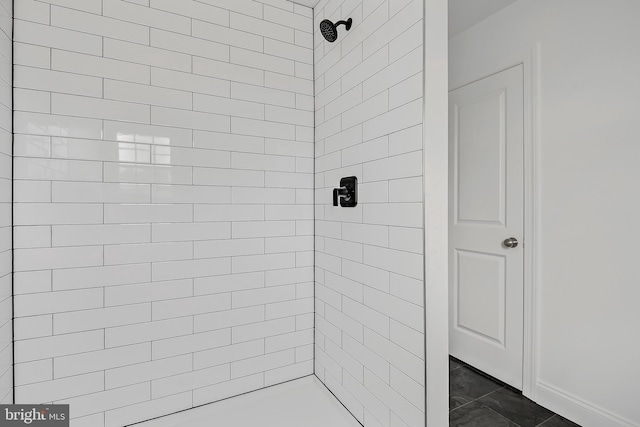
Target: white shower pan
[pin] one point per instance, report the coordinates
(303, 402)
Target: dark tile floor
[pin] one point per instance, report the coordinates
(477, 400)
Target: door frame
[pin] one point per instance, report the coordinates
(436, 172)
(530, 60)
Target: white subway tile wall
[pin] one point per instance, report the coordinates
(164, 202)
(6, 244)
(369, 259)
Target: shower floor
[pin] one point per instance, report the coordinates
(304, 402)
(475, 400)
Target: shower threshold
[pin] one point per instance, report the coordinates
(302, 402)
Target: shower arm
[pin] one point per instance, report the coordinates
(345, 23)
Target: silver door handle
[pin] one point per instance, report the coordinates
(511, 242)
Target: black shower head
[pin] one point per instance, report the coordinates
(329, 30)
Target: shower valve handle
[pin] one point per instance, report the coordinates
(346, 195)
(339, 192)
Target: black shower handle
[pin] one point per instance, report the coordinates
(342, 191)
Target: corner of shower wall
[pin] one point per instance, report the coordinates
(163, 203)
(6, 232)
(369, 259)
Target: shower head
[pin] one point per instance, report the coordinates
(329, 30)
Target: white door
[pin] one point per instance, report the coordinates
(486, 193)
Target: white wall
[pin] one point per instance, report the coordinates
(587, 186)
(6, 149)
(369, 262)
(436, 209)
(164, 203)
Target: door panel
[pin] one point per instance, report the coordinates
(480, 159)
(486, 207)
(480, 284)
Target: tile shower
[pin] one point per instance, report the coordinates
(369, 262)
(174, 238)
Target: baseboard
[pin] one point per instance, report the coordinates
(578, 410)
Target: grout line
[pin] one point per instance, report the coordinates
(12, 220)
(336, 397)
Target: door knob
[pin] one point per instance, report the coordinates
(511, 242)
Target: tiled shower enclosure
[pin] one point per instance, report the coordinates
(369, 262)
(174, 238)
